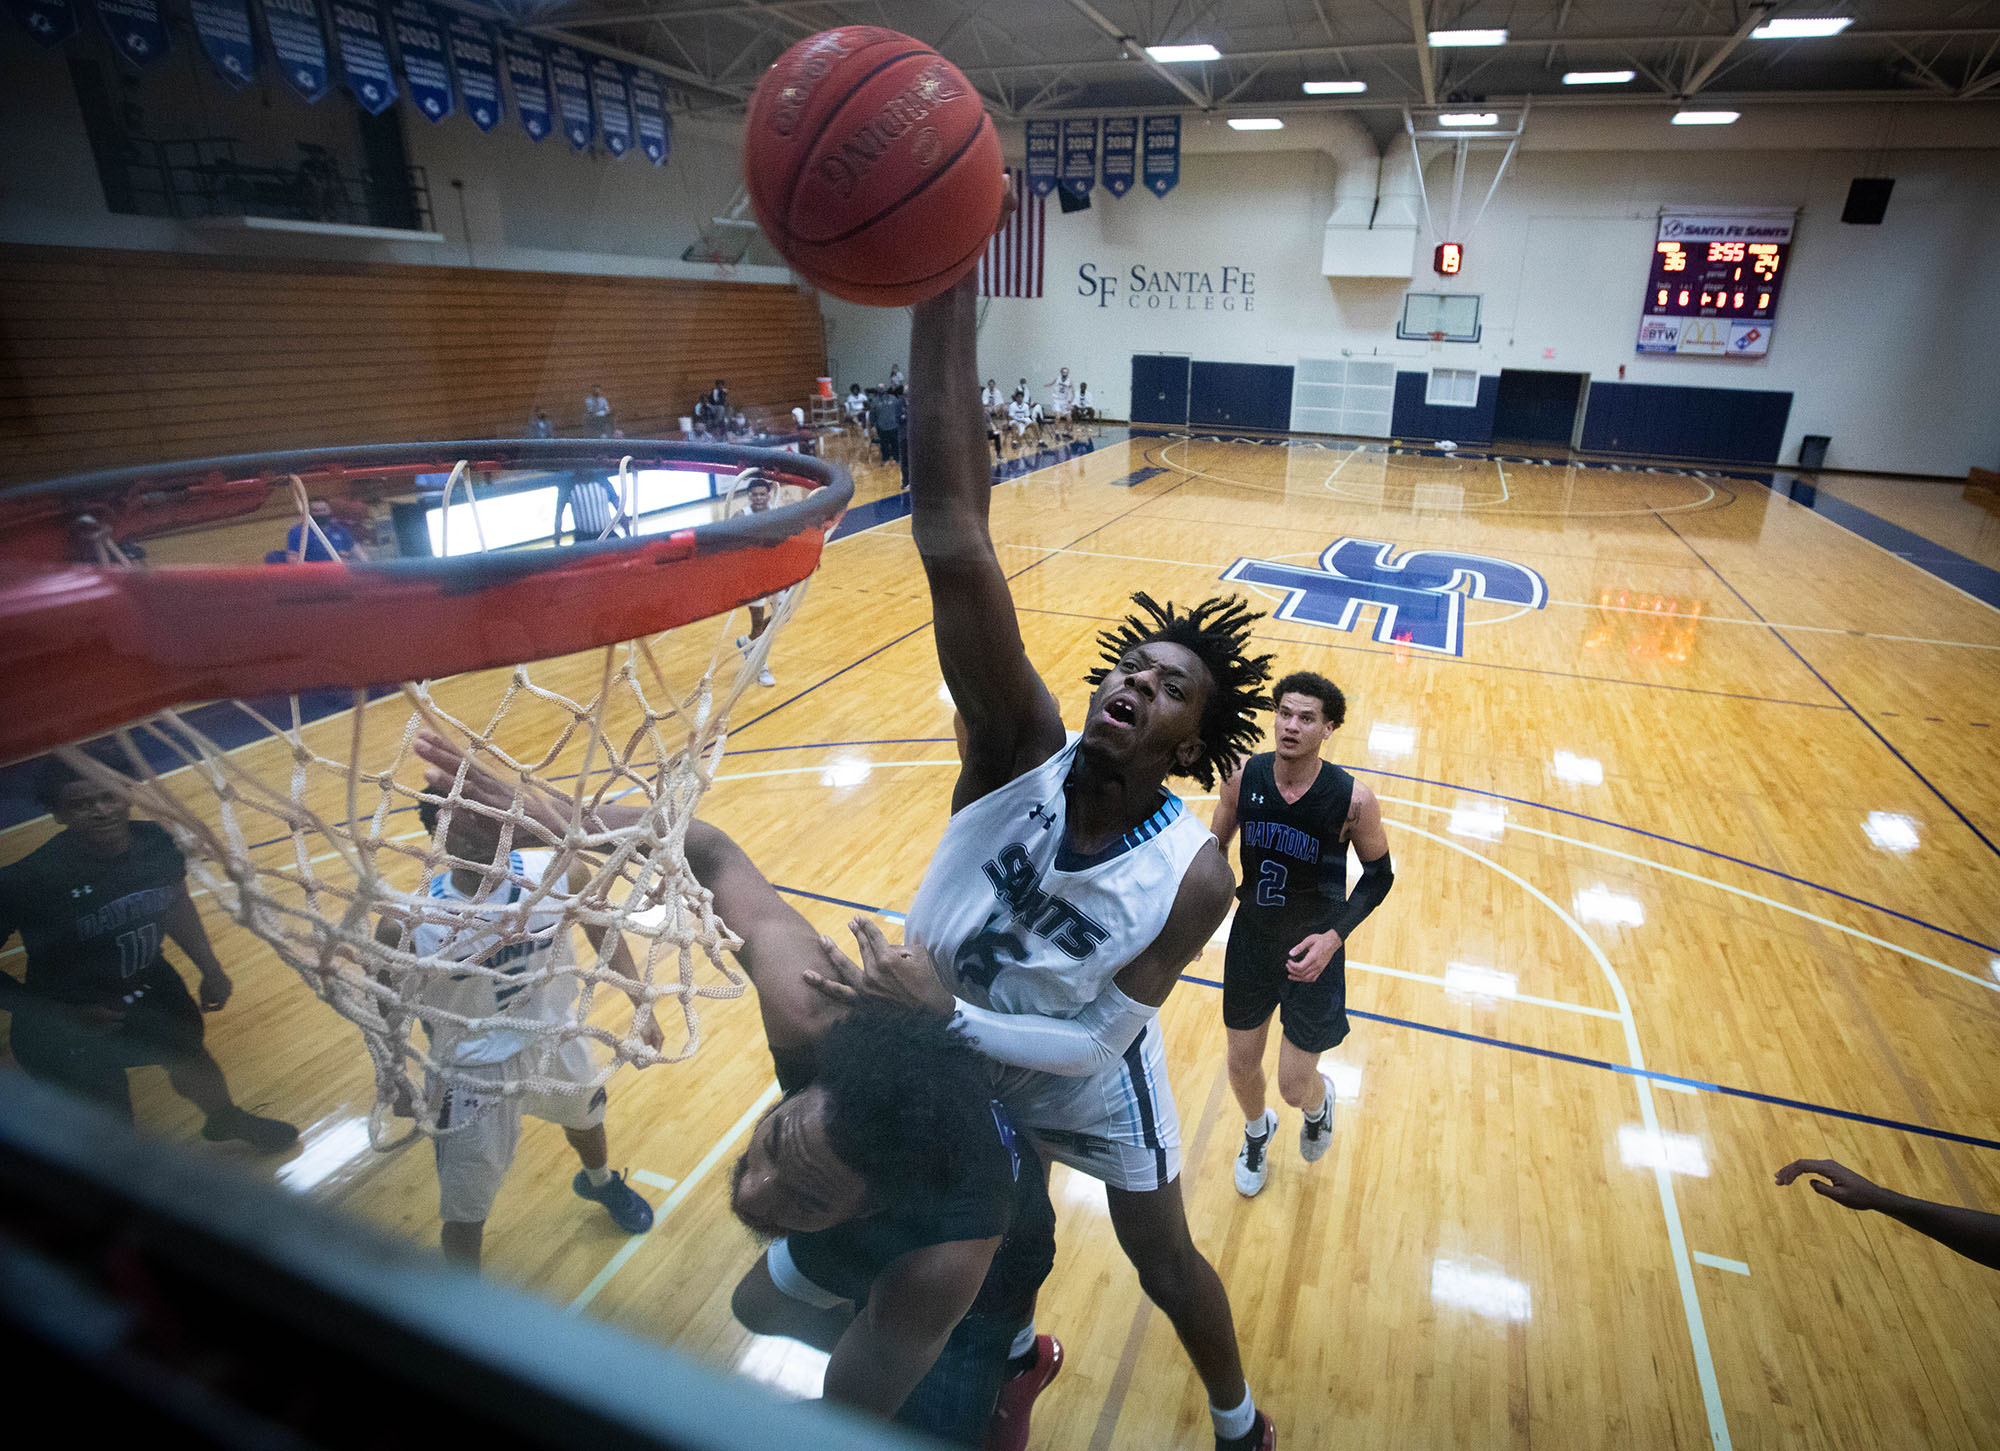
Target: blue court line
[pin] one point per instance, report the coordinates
(1429, 657)
(220, 721)
(1656, 1076)
(1976, 579)
(1653, 1074)
(1867, 724)
(1688, 845)
(890, 507)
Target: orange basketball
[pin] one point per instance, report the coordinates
(872, 165)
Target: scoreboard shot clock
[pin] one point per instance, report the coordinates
(1714, 283)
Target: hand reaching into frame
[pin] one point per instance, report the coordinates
(898, 974)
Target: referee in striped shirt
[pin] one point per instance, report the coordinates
(593, 509)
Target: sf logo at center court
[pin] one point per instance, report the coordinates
(1419, 599)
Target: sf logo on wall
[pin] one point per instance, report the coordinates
(1419, 599)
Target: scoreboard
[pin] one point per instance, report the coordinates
(1714, 283)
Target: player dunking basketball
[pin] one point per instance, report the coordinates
(1288, 946)
(1071, 887)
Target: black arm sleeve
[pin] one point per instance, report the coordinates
(1376, 879)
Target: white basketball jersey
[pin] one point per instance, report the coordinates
(516, 946)
(1017, 923)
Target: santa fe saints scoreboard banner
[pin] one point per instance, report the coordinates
(442, 60)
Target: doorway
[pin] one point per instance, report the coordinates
(1537, 407)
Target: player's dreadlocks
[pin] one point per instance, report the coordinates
(1218, 632)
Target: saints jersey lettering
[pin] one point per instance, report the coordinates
(1016, 882)
(1018, 921)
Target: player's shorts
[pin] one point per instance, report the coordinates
(1118, 1124)
(1254, 983)
(162, 1026)
(478, 1132)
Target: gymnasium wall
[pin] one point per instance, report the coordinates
(111, 357)
(522, 204)
(1883, 337)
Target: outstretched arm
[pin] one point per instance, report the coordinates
(1969, 1232)
(1012, 724)
(778, 944)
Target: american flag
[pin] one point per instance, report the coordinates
(1012, 266)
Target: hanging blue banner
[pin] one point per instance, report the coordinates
(649, 114)
(614, 106)
(1079, 156)
(1121, 153)
(1163, 153)
(477, 61)
(364, 54)
(1044, 141)
(420, 41)
(528, 72)
(298, 38)
(49, 21)
(137, 32)
(572, 87)
(223, 28)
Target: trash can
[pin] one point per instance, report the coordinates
(1812, 450)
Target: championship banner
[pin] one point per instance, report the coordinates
(1044, 139)
(364, 54)
(223, 28)
(137, 32)
(298, 38)
(1079, 157)
(1121, 153)
(614, 106)
(420, 40)
(477, 62)
(528, 72)
(649, 114)
(1163, 153)
(572, 87)
(49, 21)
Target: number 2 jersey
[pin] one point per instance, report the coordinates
(525, 950)
(1294, 852)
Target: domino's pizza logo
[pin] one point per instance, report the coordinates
(1418, 597)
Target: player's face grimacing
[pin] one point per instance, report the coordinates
(473, 838)
(1150, 707)
(101, 816)
(789, 1180)
(1301, 726)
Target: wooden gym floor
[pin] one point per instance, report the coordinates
(1695, 875)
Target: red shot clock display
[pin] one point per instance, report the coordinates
(1713, 286)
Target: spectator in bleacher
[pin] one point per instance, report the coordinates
(739, 428)
(715, 403)
(593, 509)
(889, 425)
(597, 412)
(540, 425)
(310, 546)
(896, 376)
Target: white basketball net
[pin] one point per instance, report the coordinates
(309, 837)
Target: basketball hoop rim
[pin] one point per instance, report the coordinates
(87, 647)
